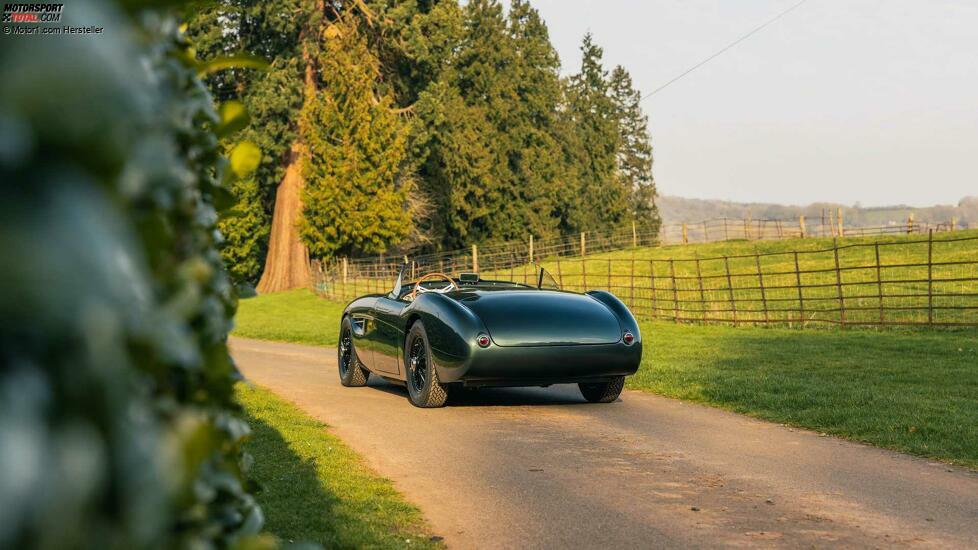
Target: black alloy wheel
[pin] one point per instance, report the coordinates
(352, 372)
(424, 390)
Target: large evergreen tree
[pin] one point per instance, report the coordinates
(273, 98)
(600, 198)
(466, 98)
(634, 149)
(356, 196)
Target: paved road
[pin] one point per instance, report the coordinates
(535, 468)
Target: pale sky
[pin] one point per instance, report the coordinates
(873, 101)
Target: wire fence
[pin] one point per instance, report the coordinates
(916, 280)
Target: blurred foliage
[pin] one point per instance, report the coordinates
(118, 427)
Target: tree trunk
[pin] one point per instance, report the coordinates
(287, 262)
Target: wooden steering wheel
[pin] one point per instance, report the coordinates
(417, 286)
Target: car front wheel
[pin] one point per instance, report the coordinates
(424, 390)
(351, 370)
(602, 392)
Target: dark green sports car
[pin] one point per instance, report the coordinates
(442, 332)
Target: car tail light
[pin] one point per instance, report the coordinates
(628, 338)
(482, 340)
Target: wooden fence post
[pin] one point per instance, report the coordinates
(560, 276)
(838, 218)
(475, 258)
(634, 235)
(801, 225)
(699, 280)
(838, 285)
(655, 306)
(954, 223)
(879, 279)
(730, 289)
(414, 268)
(531, 248)
(747, 222)
(801, 296)
(706, 233)
(345, 269)
(685, 234)
(609, 275)
(760, 281)
(583, 247)
(675, 291)
(631, 285)
(910, 223)
(930, 277)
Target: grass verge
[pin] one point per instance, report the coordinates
(296, 316)
(315, 489)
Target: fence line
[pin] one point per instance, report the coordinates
(908, 282)
(513, 253)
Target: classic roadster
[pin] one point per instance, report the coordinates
(442, 332)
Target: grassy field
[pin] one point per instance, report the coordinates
(915, 392)
(691, 282)
(315, 489)
(289, 317)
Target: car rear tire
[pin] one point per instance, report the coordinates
(352, 372)
(602, 392)
(424, 390)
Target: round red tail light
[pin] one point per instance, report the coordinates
(628, 338)
(482, 340)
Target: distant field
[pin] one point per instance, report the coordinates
(692, 282)
(912, 391)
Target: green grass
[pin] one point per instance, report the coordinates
(691, 280)
(915, 392)
(293, 316)
(315, 489)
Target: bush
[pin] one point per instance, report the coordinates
(118, 427)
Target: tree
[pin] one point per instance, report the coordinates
(634, 159)
(272, 31)
(356, 197)
(600, 198)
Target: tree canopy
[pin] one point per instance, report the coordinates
(430, 125)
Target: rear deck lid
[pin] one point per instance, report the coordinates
(542, 318)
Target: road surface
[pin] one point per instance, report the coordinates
(541, 468)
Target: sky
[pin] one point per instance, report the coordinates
(868, 101)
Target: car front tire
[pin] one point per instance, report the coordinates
(352, 373)
(602, 392)
(424, 390)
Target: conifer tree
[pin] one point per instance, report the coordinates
(634, 149)
(355, 199)
(601, 198)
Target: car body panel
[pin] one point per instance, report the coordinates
(531, 317)
(538, 337)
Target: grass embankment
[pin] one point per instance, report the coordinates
(704, 290)
(315, 489)
(292, 316)
(915, 392)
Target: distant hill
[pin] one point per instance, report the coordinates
(679, 209)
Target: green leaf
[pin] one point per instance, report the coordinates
(245, 158)
(234, 117)
(239, 61)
